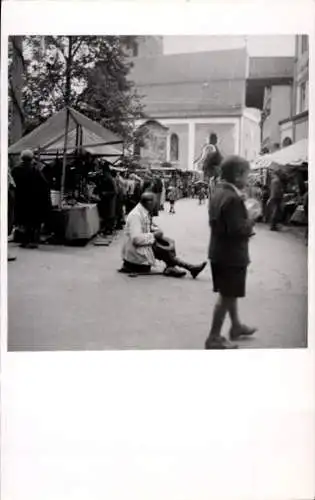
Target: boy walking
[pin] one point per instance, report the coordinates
(231, 229)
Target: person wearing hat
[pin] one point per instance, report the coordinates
(106, 190)
(231, 228)
(144, 243)
(276, 200)
(32, 200)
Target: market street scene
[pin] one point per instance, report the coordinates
(157, 192)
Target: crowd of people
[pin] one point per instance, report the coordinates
(279, 199)
(115, 191)
(127, 200)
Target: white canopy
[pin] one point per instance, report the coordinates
(49, 136)
(296, 154)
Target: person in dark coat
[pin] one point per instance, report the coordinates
(106, 190)
(305, 206)
(231, 229)
(11, 209)
(157, 188)
(275, 201)
(32, 199)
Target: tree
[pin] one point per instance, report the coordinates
(90, 73)
(16, 76)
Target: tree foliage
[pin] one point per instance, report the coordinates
(99, 75)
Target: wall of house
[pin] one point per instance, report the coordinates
(251, 143)
(301, 130)
(301, 75)
(286, 130)
(280, 108)
(155, 143)
(182, 132)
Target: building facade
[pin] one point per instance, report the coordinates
(196, 95)
(295, 125)
(239, 99)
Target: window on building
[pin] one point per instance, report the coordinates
(304, 43)
(174, 147)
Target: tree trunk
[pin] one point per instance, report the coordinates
(16, 84)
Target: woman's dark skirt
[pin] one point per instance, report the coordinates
(229, 281)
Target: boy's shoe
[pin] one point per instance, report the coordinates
(241, 331)
(219, 343)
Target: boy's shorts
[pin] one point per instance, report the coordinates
(229, 281)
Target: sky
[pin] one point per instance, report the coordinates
(257, 45)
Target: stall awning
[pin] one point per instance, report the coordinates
(49, 136)
(296, 154)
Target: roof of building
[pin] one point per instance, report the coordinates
(193, 99)
(192, 67)
(201, 83)
(204, 83)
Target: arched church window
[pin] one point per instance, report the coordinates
(174, 147)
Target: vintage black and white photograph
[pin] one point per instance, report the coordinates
(158, 192)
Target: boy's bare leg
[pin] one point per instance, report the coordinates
(218, 318)
(215, 340)
(237, 329)
(232, 307)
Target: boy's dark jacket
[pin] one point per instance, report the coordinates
(230, 227)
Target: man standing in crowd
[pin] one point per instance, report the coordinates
(157, 188)
(11, 204)
(305, 206)
(106, 190)
(145, 242)
(121, 195)
(231, 229)
(32, 199)
(275, 201)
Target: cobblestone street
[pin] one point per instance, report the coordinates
(66, 298)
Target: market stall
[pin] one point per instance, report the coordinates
(292, 164)
(69, 143)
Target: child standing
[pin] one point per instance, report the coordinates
(172, 197)
(231, 229)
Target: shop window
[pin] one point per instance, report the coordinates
(174, 147)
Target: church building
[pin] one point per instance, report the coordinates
(191, 96)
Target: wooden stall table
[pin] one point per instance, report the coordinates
(77, 222)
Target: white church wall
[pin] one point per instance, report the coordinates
(225, 133)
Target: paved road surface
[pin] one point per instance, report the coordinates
(63, 298)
